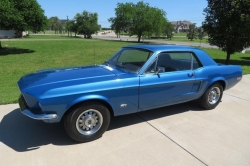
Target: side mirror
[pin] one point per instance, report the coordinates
(159, 70)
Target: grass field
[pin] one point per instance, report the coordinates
(22, 56)
(182, 37)
(185, 39)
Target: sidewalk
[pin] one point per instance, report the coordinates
(184, 134)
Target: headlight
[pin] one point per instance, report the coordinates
(32, 103)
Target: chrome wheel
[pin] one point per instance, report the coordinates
(214, 95)
(89, 122)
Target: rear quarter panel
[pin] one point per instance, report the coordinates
(211, 74)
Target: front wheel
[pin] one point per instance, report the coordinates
(211, 98)
(87, 121)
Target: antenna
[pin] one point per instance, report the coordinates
(94, 52)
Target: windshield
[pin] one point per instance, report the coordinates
(130, 59)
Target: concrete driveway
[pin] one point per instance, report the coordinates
(177, 135)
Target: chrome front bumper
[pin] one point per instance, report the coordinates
(39, 116)
(25, 110)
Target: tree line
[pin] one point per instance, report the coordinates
(135, 19)
(140, 19)
(84, 23)
(227, 22)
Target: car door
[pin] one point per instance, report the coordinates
(171, 80)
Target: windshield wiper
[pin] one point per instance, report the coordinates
(119, 65)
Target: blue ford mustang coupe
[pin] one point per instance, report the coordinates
(136, 78)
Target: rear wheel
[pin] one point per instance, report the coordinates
(87, 121)
(211, 98)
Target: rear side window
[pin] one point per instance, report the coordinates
(180, 55)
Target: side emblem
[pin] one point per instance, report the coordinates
(123, 105)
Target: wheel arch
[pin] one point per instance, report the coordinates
(222, 81)
(87, 100)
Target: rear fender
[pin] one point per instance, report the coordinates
(218, 79)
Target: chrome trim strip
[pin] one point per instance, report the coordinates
(200, 86)
(40, 116)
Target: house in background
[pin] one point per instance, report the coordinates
(181, 26)
(12, 34)
(7, 34)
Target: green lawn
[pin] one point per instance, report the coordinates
(182, 37)
(22, 56)
(185, 39)
(180, 34)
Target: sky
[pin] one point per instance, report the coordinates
(177, 10)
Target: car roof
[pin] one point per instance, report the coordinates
(162, 47)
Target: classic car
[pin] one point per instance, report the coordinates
(136, 78)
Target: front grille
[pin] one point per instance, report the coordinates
(22, 103)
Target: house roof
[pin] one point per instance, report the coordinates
(185, 22)
(62, 20)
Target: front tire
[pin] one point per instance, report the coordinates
(211, 98)
(87, 121)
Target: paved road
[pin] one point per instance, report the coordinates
(177, 135)
(127, 38)
(112, 36)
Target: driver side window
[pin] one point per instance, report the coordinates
(165, 63)
(173, 61)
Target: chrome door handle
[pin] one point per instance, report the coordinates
(191, 74)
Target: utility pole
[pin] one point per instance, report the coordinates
(68, 24)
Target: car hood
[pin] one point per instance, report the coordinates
(61, 76)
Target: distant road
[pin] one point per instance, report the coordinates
(159, 41)
(112, 36)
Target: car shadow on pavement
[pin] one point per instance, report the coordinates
(131, 119)
(24, 134)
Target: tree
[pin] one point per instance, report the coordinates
(56, 24)
(122, 21)
(227, 23)
(201, 34)
(115, 26)
(68, 25)
(71, 26)
(22, 15)
(192, 32)
(87, 23)
(169, 29)
(138, 19)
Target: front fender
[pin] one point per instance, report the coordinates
(87, 98)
